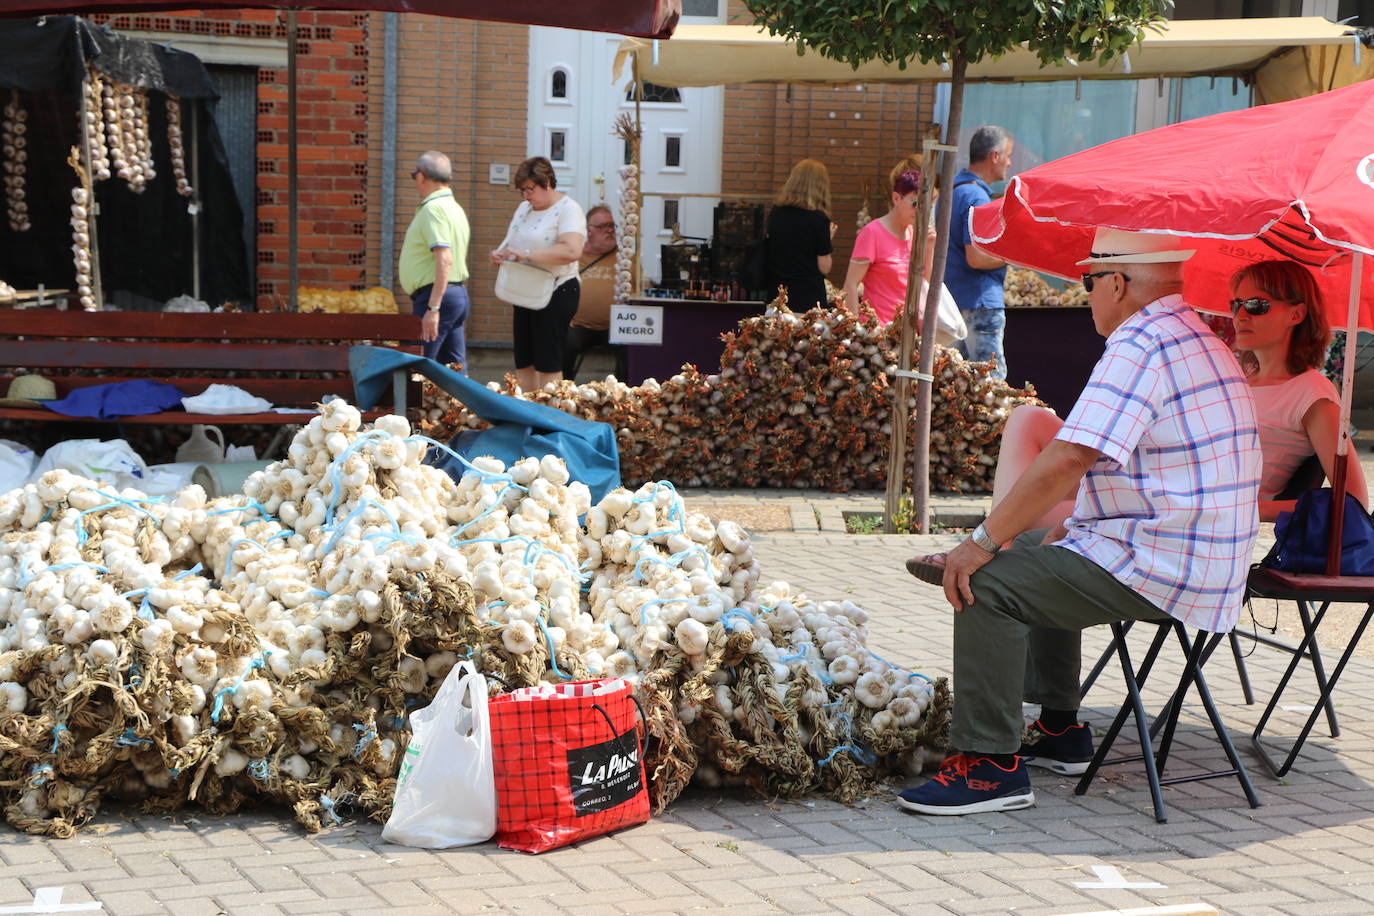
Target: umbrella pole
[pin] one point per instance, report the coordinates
(1333, 546)
(292, 222)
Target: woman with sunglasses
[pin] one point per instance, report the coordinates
(882, 249)
(1281, 336)
(548, 231)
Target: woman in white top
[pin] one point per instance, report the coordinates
(1282, 335)
(548, 231)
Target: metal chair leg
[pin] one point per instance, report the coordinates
(1241, 670)
(1318, 670)
(1133, 705)
(1101, 663)
(1309, 637)
(1155, 755)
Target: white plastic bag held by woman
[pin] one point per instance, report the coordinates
(445, 794)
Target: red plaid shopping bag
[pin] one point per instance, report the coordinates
(568, 762)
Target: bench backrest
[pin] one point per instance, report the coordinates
(197, 348)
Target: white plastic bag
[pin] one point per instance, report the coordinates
(446, 791)
(16, 463)
(113, 463)
(952, 328)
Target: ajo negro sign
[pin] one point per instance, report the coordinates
(636, 324)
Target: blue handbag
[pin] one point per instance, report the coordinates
(1301, 537)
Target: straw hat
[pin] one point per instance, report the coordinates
(29, 391)
(1117, 246)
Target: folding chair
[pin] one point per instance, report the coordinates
(1308, 476)
(1196, 652)
(1305, 590)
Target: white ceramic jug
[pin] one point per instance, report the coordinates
(199, 447)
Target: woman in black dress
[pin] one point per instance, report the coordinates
(799, 233)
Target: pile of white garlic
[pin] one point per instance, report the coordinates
(627, 232)
(269, 645)
(174, 141)
(13, 141)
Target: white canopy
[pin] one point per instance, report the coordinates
(714, 55)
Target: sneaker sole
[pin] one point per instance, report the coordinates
(932, 573)
(1062, 767)
(1002, 803)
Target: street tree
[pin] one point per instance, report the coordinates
(955, 33)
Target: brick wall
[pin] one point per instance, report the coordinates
(859, 131)
(461, 89)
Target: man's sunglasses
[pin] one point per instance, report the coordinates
(1254, 306)
(1089, 278)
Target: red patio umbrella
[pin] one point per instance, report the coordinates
(1293, 180)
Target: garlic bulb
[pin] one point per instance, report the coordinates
(91, 124)
(83, 259)
(174, 141)
(625, 234)
(13, 142)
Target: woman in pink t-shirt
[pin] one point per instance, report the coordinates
(882, 252)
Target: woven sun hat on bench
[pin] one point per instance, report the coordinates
(29, 391)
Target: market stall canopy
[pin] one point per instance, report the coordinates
(52, 55)
(1315, 55)
(646, 18)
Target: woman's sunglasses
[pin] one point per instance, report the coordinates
(1254, 306)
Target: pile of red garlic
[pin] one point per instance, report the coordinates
(798, 401)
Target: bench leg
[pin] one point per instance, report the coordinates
(398, 391)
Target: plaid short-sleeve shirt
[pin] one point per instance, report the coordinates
(1171, 508)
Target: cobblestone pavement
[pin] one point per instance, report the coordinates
(1309, 849)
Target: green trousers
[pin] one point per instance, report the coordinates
(1021, 638)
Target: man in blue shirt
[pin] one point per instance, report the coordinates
(975, 279)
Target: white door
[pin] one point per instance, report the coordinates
(572, 112)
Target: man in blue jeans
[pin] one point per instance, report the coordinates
(975, 279)
(434, 262)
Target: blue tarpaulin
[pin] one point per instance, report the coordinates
(518, 430)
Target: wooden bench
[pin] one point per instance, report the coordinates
(192, 351)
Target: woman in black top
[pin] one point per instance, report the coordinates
(799, 232)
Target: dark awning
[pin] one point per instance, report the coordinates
(643, 18)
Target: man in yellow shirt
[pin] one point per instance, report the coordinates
(434, 256)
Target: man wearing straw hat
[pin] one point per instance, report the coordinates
(1163, 452)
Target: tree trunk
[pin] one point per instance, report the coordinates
(921, 450)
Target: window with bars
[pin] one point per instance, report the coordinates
(655, 93)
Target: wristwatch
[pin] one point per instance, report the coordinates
(981, 537)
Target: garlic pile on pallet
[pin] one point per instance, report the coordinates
(798, 401)
(174, 141)
(1026, 288)
(268, 646)
(92, 124)
(82, 258)
(13, 143)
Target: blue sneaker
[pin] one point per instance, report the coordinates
(1068, 751)
(968, 784)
